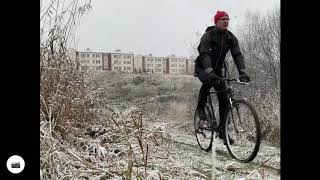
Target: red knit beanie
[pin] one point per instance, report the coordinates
(219, 15)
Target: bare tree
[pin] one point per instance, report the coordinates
(260, 40)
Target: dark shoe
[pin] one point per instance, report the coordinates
(231, 141)
(204, 124)
(202, 113)
(221, 136)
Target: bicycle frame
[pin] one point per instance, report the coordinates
(229, 91)
(230, 95)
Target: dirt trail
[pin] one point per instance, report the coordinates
(187, 152)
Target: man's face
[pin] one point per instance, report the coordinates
(223, 23)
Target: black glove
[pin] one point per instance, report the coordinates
(211, 76)
(243, 76)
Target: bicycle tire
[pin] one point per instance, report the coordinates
(257, 128)
(209, 109)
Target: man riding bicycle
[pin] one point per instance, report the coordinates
(213, 47)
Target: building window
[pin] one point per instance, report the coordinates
(129, 62)
(87, 55)
(97, 55)
(83, 61)
(129, 68)
(93, 61)
(83, 55)
(173, 65)
(174, 70)
(98, 68)
(84, 68)
(98, 61)
(87, 61)
(124, 62)
(115, 56)
(124, 68)
(149, 65)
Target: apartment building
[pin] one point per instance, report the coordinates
(89, 60)
(177, 65)
(190, 65)
(128, 62)
(138, 63)
(118, 61)
(153, 64)
(98, 61)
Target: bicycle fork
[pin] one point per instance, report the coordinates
(233, 119)
(230, 101)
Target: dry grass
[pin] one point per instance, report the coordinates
(64, 98)
(175, 98)
(121, 147)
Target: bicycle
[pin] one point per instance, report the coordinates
(241, 120)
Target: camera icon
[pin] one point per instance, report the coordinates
(15, 165)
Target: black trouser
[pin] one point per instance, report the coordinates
(223, 99)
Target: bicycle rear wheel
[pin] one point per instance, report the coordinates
(204, 135)
(243, 127)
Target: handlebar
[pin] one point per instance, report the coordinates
(234, 80)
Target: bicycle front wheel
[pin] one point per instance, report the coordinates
(243, 127)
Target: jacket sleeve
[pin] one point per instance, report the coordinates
(236, 54)
(205, 51)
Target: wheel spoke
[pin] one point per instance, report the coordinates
(244, 129)
(204, 133)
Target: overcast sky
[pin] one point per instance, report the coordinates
(160, 27)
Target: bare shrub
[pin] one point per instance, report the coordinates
(64, 98)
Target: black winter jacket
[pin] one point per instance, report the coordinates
(213, 48)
